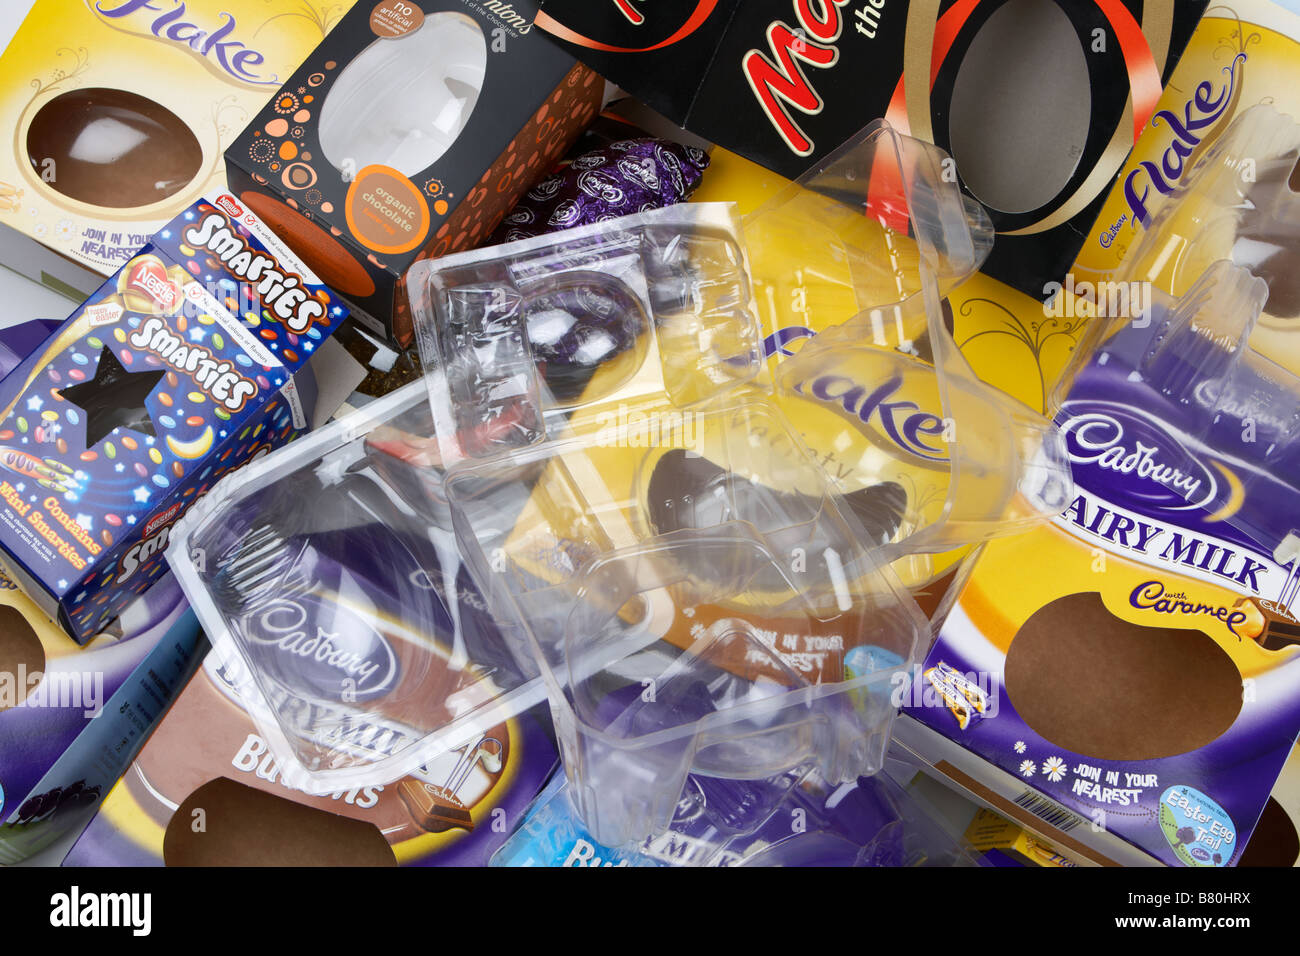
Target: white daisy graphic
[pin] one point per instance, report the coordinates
(1054, 769)
(40, 230)
(1020, 746)
(1028, 768)
(65, 230)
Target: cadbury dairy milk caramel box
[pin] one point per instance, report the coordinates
(1135, 662)
(179, 369)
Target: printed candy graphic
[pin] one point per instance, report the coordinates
(964, 698)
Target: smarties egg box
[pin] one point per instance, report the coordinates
(185, 365)
(120, 111)
(409, 132)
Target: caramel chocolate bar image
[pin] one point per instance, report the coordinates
(432, 808)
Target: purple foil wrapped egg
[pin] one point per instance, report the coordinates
(625, 177)
(576, 327)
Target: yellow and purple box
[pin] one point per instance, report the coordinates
(119, 112)
(179, 369)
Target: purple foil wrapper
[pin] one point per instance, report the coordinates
(626, 177)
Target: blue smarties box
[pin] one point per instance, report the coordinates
(180, 368)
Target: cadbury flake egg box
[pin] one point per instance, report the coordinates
(179, 369)
(119, 111)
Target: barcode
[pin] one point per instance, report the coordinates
(1048, 810)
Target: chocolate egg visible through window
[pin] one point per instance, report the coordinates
(112, 148)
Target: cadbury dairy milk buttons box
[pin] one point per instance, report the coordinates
(207, 762)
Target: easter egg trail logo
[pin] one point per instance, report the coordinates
(1199, 830)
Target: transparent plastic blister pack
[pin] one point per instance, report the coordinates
(695, 594)
(1217, 342)
(860, 251)
(330, 573)
(654, 307)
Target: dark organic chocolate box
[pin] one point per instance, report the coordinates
(409, 132)
(1037, 101)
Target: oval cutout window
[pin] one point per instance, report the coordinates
(22, 657)
(1103, 687)
(403, 101)
(1021, 107)
(112, 148)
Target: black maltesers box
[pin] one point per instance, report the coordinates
(1037, 101)
(409, 132)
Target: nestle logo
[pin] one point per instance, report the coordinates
(157, 522)
(229, 207)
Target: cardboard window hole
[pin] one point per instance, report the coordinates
(402, 102)
(1102, 687)
(21, 656)
(112, 148)
(1274, 841)
(224, 823)
(1021, 107)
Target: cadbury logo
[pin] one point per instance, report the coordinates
(216, 45)
(901, 420)
(364, 663)
(1200, 113)
(1098, 439)
(779, 81)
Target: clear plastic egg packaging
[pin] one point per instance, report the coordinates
(610, 501)
(697, 596)
(328, 580)
(849, 265)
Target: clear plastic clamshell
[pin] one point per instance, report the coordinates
(696, 595)
(850, 264)
(329, 577)
(1204, 315)
(606, 502)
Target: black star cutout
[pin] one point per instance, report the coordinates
(114, 398)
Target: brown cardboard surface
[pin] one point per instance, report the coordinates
(1095, 684)
(224, 823)
(21, 652)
